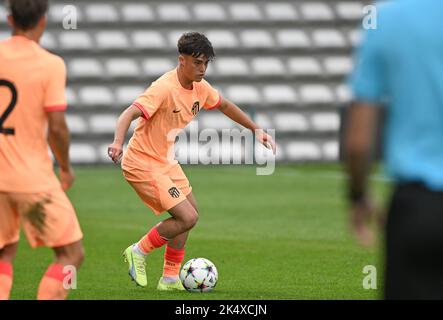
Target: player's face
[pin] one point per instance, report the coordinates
(195, 67)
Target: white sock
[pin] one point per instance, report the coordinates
(170, 279)
(136, 249)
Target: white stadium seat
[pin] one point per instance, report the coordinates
(264, 121)
(281, 11)
(209, 12)
(268, 66)
(157, 66)
(328, 38)
(82, 153)
(127, 94)
(76, 124)
(344, 93)
(103, 123)
(325, 121)
(173, 12)
(221, 39)
(85, 68)
(245, 12)
(137, 12)
(293, 39)
(316, 93)
(216, 121)
(99, 12)
(96, 96)
(316, 11)
(338, 65)
(350, 10)
(71, 96)
(243, 94)
(304, 66)
(274, 94)
(112, 40)
(289, 121)
(231, 67)
(303, 151)
(148, 39)
(256, 39)
(354, 37)
(122, 67)
(331, 150)
(74, 40)
(48, 41)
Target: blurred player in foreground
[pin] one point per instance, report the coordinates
(32, 105)
(400, 68)
(170, 103)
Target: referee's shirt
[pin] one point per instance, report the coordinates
(400, 65)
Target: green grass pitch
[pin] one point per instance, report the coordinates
(283, 236)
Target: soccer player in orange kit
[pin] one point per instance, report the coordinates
(32, 105)
(170, 103)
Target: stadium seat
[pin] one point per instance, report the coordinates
(280, 11)
(350, 10)
(354, 37)
(316, 11)
(316, 93)
(48, 41)
(268, 66)
(325, 121)
(338, 65)
(82, 153)
(304, 66)
(3, 15)
(85, 68)
(231, 67)
(96, 96)
(76, 124)
(71, 96)
(247, 94)
(103, 123)
(328, 38)
(148, 39)
(245, 12)
(216, 121)
(344, 93)
(293, 39)
(173, 12)
(330, 151)
(112, 40)
(75, 40)
(286, 121)
(275, 94)
(99, 12)
(122, 67)
(173, 37)
(59, 12)
(137, 12)
(221, 39)
(155, 67)
(209, 12)
(264, 121)
(256, 39)
(127, 94)
(303, 151)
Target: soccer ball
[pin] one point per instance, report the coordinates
(199, 275)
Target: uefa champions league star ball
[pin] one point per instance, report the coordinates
(199, 275)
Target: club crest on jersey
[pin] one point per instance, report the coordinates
(195, 108)
(174, 192)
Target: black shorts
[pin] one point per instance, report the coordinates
(414, 248)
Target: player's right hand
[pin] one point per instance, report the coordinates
(67, 178)
(115, 152)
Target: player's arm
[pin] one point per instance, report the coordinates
(59, 139)
(236, 114)
(115, 150)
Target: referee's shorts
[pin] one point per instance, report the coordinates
(414, 248)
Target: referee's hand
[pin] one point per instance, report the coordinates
(363, 222)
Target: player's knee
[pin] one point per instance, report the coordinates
(191, 220)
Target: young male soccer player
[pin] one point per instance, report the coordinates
(170, 103)
(32, 104)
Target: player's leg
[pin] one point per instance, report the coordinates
(9, 236)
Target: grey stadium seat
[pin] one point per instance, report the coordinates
(325, 121)
(71, 96)
(103, 123)
(231, 66)
(221, 39)
(122, 67)
(74, 40)
(268, 66)
(256, 39)
(316, 11)
(173, 12)
(216, 121)
(112, 40)
(328, 38)
(157, 66)
(127, 94)
(264, 121)
(330, 150)
(99, 12)
(291, 38)
(245, 12)
(287, 121)
(209, 12)
(76, 124)
(85, 68)
(338, 65)
(344, 93)
(274, 94)
(137, 12)
(48, 41)
(148, 39)
(96, 96)
(281, 11)
(316, 93)
(304, 66)
(243, 94)
(350, 10)
(303, 151)
(82, 153)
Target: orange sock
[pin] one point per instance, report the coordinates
(5, 280)
(51, 286)
(151, 241)
(173, 260)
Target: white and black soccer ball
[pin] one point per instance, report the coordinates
(199, 275)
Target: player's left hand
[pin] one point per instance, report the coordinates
(363, 222)
(115, 152)
(266, 140)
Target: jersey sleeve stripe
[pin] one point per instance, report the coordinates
(142, 109)
(61, 107)
(218, 104)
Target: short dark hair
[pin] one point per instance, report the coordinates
(195, 44)
(27, 13)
